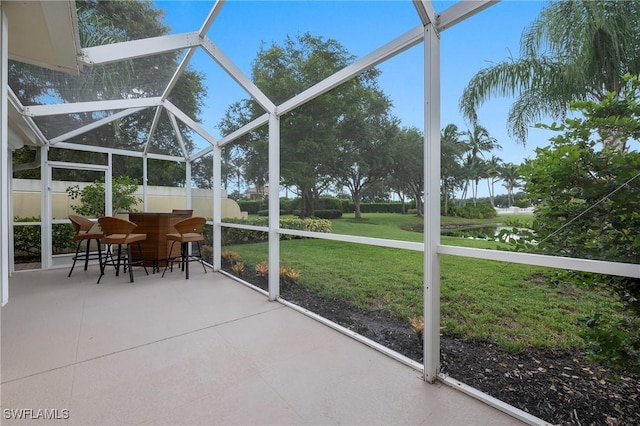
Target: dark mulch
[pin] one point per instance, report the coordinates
(562, 388)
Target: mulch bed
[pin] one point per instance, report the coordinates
(562, 388)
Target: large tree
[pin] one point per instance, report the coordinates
(574, 50)
(310, 135)
(407, 156)
(364, 137)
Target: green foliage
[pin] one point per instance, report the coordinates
(479, 211)
(574, 50)
(27, 238)
(587, 186)
(347, 119)
(92, 197)
(244, 236)
(328, 214)
(252, 206)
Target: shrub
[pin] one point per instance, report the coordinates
(92, 197)
(289, 275)
(262, 269)
(27, 238)
(229, 256)
(330, 203)
(244, 236)
(251, 206)
(328, 214)
(237, 268)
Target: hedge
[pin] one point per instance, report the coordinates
(243, 236)
(27, 239)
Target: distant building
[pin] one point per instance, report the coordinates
(254, 193)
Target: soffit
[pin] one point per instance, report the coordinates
(44, 33)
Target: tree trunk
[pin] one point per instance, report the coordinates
(306, 210)
(355, 196)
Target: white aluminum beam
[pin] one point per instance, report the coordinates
(5, 170)
(217, 208)
(133, 49)
(72, 108)
(236, 74)
(431, 335)
(426, 11)
(176, 129)
(116, 151)
(26, 124)
(94, 125)
(249, 127)
(400, 44)
(274, 206)
(380, 242)
(213, 14)
(461, 11)
(196, 127)
(585, 265)
(493, 402)
(178, 73)
(152, 129)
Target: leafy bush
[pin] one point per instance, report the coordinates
(289, 275)
(329, 203)
(328, 214)
(27, 238)
(469, 211)
(262, 269)
(252, 206)
(244, 236)
(237, 268)
(92, 201)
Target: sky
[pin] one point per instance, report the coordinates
(490, 36)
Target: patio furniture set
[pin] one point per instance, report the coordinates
(147, 246)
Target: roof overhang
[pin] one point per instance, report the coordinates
(44, 33)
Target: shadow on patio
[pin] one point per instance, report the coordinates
(204, 351)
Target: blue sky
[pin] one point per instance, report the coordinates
(362, 26)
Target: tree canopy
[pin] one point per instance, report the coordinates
(319, 138)
(574, 50)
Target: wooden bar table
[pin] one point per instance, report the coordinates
(155, 249)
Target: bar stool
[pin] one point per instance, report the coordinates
(82, 227)
(190, 230)
(119, 231)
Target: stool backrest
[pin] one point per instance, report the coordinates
(114, 225)
(191, 225)
(80, 223)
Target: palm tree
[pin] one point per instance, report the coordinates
(493, 175)
(574, 50)
(452, 149)
(510, 175)
(478, 141)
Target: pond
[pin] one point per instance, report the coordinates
(478, 232)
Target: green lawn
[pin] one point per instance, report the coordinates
(512, 305)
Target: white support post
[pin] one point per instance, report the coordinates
(431, 333)
(188, 184)
(274, 206)
(5, 177)
(108, 187)
(144, 184)
(46, 209)
(217, 207)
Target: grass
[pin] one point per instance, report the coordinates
(509, 304)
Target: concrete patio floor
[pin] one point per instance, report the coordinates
(204, 351)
